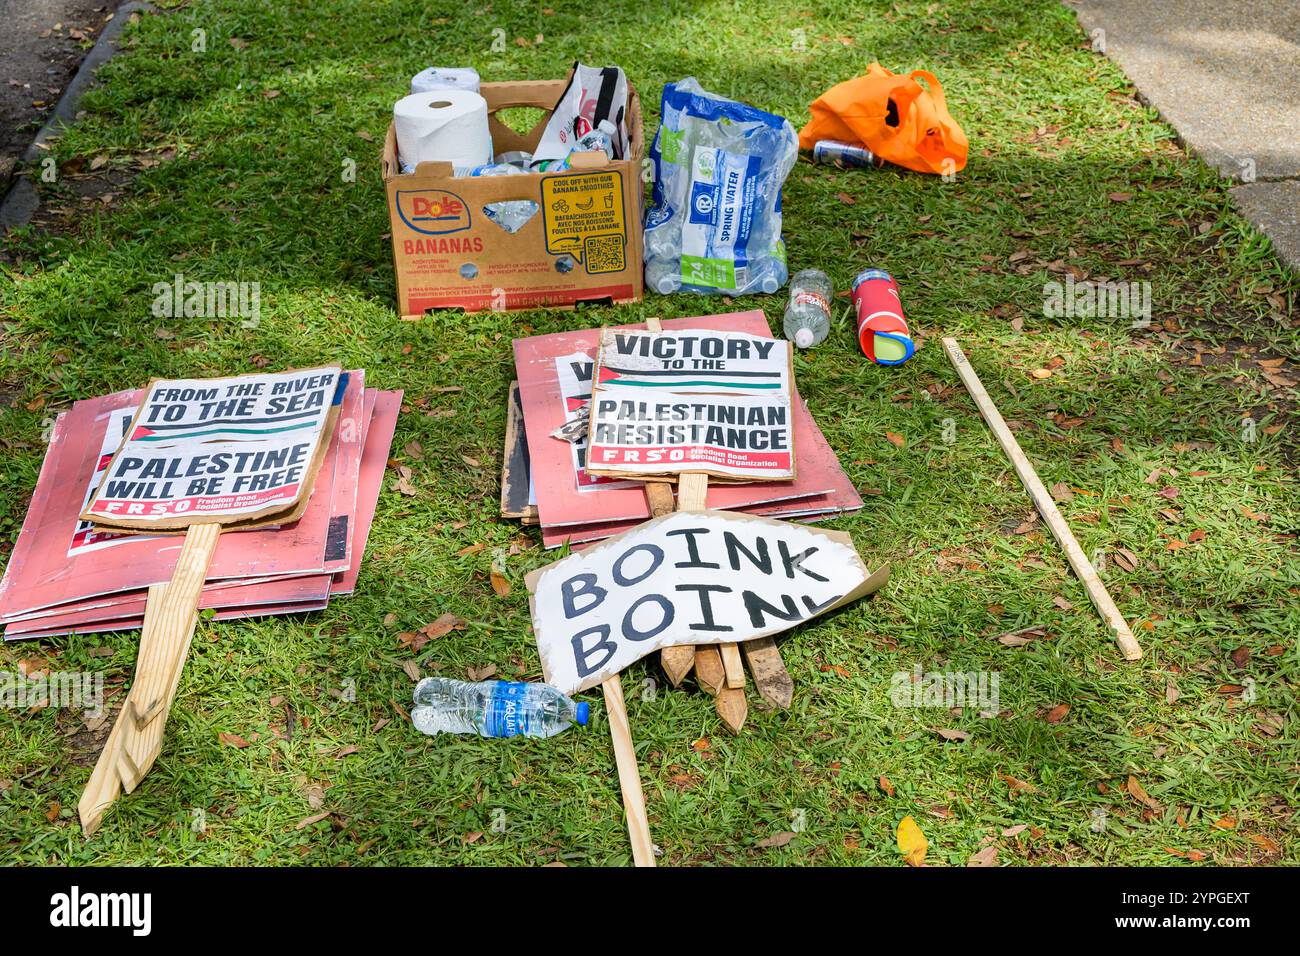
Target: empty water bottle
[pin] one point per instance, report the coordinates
(663, 276)
(493, 708)
(808, 316)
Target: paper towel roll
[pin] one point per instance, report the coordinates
(445, 78)
(445, 126)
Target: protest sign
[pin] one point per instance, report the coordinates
(58, 559)
(692, 400)
(200, 455)
(222, 450)
(699, 361)
(732, 436)
(686, 578)
(572, 509)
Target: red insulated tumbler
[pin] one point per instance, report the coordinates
(882, 330)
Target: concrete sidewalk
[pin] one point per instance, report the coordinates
(1226, 76)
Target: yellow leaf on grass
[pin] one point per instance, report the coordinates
(912, 842)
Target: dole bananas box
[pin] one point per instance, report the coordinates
(565, 238)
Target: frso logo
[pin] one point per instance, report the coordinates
(76, 909)
(432, 211)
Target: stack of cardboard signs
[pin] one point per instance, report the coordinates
(546, 479)
(67, 575)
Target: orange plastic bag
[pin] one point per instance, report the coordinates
(895, 117)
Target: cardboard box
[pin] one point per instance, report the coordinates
(448, 254)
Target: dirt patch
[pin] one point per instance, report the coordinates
(41, 45)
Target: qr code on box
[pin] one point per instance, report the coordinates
(605, 254)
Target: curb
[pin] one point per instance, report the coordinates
(22, 200)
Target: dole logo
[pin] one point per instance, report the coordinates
(433, 212)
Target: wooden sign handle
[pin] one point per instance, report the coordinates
(629, 776)
(105, 784)
(1083, 568)
(717, 668)
(170, 616)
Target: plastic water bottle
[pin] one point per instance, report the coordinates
(767, 276)
(663, 276)
(493, 708)
(808, 316)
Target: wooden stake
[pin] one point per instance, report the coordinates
(629, 777)
(143, 747)
(1083, 568)
(105, 784)
(732, 707)
(677, 661)
(732, 665)
(717, 669)
(176, 624)
(169, 621)
(771, 679)
(692, 490)
(709, 672)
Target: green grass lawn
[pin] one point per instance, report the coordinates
(230, 165)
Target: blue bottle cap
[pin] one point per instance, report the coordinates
(584, 711)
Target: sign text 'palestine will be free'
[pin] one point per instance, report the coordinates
(692, 400)
(242, 447)
(690, 577)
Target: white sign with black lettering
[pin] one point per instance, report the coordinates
(223, 449)
(695, 400)
(698, 361)
(691, 577)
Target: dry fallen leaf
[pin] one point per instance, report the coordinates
(1041, 373)
(911, 842)
(232, 740)
(885, 785)
(1057, 713)
(776, 840)
(985, 857)
(897, 439)
(481, 673)
(1267, 844)
(1061, 492)
(443, 625)
(305, 822)
(948, 733)
(499, 584)
(1139, 793)
(1015, 783)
